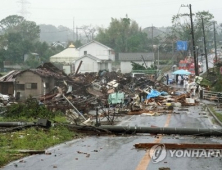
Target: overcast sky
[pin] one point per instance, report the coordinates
(99, 12)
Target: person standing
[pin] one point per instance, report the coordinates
(179, 79)
(167, 78)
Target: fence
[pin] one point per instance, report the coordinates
(210, 95)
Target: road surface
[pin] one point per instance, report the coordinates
(119, 153)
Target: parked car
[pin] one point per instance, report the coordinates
(4, 97)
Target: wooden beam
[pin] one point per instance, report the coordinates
(180, 145)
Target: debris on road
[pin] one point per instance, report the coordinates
(114, 94)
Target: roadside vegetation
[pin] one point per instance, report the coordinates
(33, 138)
(212, 79)
(218, 115)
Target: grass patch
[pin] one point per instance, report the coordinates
(34, 138)
(218, 115)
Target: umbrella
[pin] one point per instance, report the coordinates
(182, 72)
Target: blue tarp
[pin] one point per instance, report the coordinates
(163, 93)
(153, 93)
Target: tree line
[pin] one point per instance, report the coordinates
(19, 37)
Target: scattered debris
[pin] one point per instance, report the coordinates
(164, 168)
(112, 93)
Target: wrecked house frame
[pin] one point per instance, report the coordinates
(7, 83)
(39, 81)
(32, 82)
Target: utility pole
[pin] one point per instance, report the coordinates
(153, 45)
(73, 29)
(205, 48)
(77, 34)
(215, 44)
(194, 49)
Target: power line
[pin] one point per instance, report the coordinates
(150, 5)
(23, 10)
(56, 31)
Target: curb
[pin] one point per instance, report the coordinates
(215, 117)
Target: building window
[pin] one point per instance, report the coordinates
(20, 86)
(85, 52)
(31, 85)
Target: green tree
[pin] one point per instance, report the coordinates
(18, 37)
(182, 30)
(77, 43)
(123, 35)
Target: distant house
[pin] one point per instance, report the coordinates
(31, 55)
(66, 58)
(32, 82)
(97, 50)
(126, 58)
(10, 65)
(90, 63)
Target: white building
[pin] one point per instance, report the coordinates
(90, 63)
(126, 58)
(98, 50)
(94, 56)
(66, 56)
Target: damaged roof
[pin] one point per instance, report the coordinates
(10, 77)
(45, 70)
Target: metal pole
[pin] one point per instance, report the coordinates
(194, 50)
(163, 130)
(205, 48)
(74, 107)
(197, 48)
(215, 44)
(14, 124)
(158, 58)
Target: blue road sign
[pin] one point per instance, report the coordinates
(181, 45)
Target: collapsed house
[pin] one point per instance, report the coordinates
(111, 92)
(32, 82)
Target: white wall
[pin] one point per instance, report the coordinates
(88, 65)
(110, 66)
(67, 69)
(106, 66)
(126, 66)
(112, 55)
(97, 51)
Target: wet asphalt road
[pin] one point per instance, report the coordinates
(118, 152)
